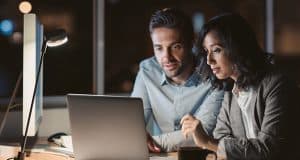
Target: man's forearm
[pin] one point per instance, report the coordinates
(173, 140)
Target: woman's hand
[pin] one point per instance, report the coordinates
(193, 126)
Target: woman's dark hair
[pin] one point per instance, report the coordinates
(241, 47)
(174, 19)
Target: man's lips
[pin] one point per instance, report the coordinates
(170, 66)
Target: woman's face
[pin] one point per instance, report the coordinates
(217, 58)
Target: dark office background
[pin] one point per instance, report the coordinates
(69, 68)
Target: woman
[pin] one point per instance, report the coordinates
(252, 123)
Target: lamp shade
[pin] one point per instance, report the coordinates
(56, 38)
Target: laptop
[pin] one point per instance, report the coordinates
(107, 127)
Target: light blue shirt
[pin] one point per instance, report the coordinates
(166, 103)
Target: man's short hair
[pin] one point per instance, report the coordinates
(174, 19)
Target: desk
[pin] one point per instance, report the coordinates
(40, 154)
(10, 151)
(53, 156)
(57, 156)
(47, 156)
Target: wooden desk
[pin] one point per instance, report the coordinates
(54, 156)
(42, 156)
(59, 156)
(47, 156)
(11, 151)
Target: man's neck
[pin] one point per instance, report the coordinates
(181, 79)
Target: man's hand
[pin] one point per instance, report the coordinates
(193, 126)
(152, 145)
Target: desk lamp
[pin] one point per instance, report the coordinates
(52, 39)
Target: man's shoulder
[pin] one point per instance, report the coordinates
(150, 64)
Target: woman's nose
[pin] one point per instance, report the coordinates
(209, 59)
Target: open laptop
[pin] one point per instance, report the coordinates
(107, 127)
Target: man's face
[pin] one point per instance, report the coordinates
(171, 52)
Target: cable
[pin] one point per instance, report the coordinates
(11, 101)
(15, 105)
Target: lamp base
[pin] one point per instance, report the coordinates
(21, 156)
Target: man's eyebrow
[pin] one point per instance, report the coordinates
(173, 43)
(178, 42)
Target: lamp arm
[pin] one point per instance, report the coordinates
(21, 155)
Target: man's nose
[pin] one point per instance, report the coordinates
(167, 54)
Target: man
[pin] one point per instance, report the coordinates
(170, 85)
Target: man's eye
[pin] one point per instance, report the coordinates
(157, 48)
(177, 46)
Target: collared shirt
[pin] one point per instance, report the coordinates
(166, 103)
(243, 98)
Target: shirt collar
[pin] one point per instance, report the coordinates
(164, 79)
(193, 80)
(237, 91)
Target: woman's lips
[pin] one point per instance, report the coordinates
(215, 70)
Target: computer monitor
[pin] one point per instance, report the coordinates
(32, 45)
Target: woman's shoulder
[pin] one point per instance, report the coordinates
(273, 75)
(277, 78)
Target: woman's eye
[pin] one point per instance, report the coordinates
(217, 50)
(205, 51)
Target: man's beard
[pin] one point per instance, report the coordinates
(176, 72)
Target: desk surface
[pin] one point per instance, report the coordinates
(57, 156)
(47, 156)
(9, 151)
(43, 156)
(37, 153)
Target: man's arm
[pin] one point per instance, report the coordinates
(172, 141)
(207, 112)
(140, 90)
